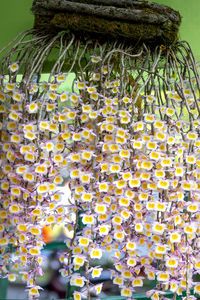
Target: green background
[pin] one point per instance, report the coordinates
(16, 16)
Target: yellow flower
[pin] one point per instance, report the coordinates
(50, 219)
(88, 219)
(126, 274)
(120, 184)
(130, 245)
(17, 97)
(158, 228)
(117, 220)
(34, 251)
(149, 118)
(124, 202)
(28, 177)
(98, 288)
(172, 262)
(125, 214)
(14, 209)
(163, 276)
(53, 96)
(103, 187)
(155, 296)
(110, 127)
(161, 136)
(53, 127)
(151, 275)
(151, 145)
(175, 237)
(154, 155)
(160, 206)
(43, 188)
(44, 125)
(3, 241)
(100, 208)
(37, 212)
(135, 182)
(71, 115)
(83, 241)
(12, 277)
(10, 86)
(14, 67)
(126, 292)
(126, 176)
(190, 229)
(58, 180)
(197, 289)
(79, 260)
(86, 155)
(58, 158)
(139, 126)
(14, 116)
(171, 140)
(16, 191)
(138, 227)
(29, 157)
(84, 117)
(94, 96)
(170, 112)
(137, 282)
(163, 184)
(77, 295)
(41, 169)
(5, 186)
(104, 229)
(147, 165)
(131, 262)
(96, 253)
(85, 178)
(113, 148)
(35, 231)
(75, 157)
(166, 162)
(150, 99)
(179, 171)
(75, 173)
(161, 249)
(87, 197)
(145, 176)
(50, 107)
(32, 108)
(125, 120)
(188, 185)
(137, 144)
(34, 291)
(95, 59)
(104, 167)
(190, 159)
(192, 136)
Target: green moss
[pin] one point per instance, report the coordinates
(116, 29)
(97, 27)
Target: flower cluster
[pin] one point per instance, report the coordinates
(134, 169)
(34, 140)
(132, 148)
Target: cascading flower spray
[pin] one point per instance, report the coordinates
(128, 132)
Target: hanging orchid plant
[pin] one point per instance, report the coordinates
(128, 133)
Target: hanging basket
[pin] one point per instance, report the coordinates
(135, 21)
